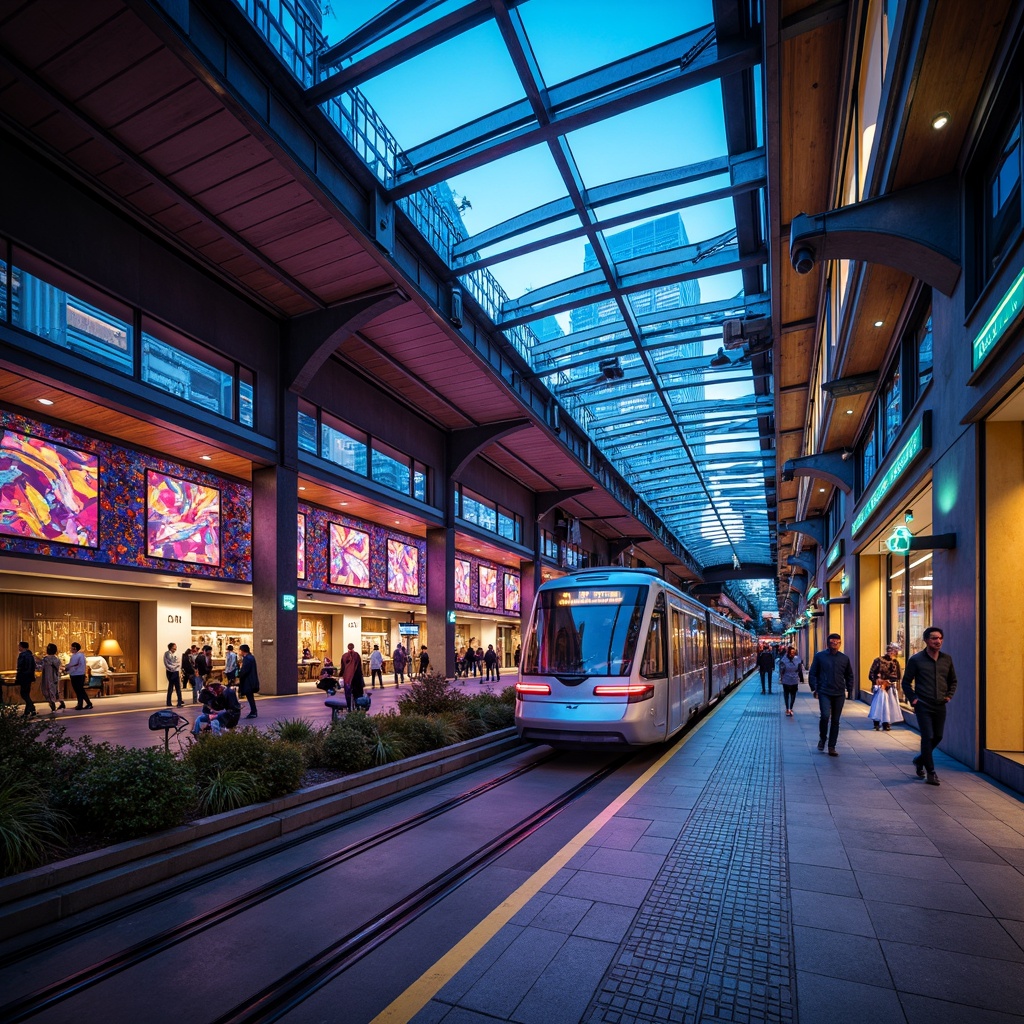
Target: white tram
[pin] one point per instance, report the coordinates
(619, 656)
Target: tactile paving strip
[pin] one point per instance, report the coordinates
(713, 941)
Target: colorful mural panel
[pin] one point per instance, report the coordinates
(463, 587)
(488, 587)
(349, 557)
(300, 561)
(182, 520)
(403, 568)
(48, 491)
(511, 592)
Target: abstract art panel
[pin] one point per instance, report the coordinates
(300, 563)
(511, 592)
(403, 568)
(182, 520)
(349, 557)
(463, 593)
(488, 587)
(48, 491)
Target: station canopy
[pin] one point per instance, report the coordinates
(594, 174)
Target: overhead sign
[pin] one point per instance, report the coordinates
(918, 441)
(899, 541)
(834, 554)
(1009, 308)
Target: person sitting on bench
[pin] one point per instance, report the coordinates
(221, 709)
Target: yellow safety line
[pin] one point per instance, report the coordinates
(420, 992)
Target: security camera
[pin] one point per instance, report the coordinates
(184, 584)
(803, 259)
(847, 455)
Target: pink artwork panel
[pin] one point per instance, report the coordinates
(403, 568)
(463, 592)
(48, 491)
(488, 587)
(349, 557)
(511, 592)
(300, 563)
(182, 520)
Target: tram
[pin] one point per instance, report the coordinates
(620, 657)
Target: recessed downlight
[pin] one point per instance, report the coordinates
(45, 401)
(940, 120)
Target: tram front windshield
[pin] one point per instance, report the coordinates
(585, 631)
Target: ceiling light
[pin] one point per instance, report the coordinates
(45, 401)
(940, 120)
(849, 412)
(879, 323)
(821, 490)
(206, 458)
(301, 488)
(342, 503)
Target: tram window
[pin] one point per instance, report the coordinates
(653, 664)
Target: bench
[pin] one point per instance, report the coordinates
(337, 705)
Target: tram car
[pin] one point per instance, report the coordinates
(620, 657)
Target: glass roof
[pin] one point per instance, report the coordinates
(597, 183)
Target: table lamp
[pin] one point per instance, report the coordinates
(110, 648)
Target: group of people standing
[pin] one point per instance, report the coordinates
(473, 661)
(52, 669)
(928, 683)
(194, 668)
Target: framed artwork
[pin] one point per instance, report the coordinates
(300, 562)
(48, 491)
(403, 568)
(488, 587)
(511, 592)
(463, 593)
(182, 520)
(349, 557)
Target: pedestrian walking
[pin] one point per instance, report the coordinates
(766, 666)
(376, 667)
(830, 678)
(469, 661)
(491, 663)
(929, 684)
(791, 675)
(188, 667)
(52, 669)
(231, 665)
(248, 678)
(351, 666)
(424, 661)
(884, 676)
(25, 677)
(399, 659)
(77, 672)
(172, 669)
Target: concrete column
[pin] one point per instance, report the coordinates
(441, 598)
(274, 565)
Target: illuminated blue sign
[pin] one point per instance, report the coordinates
(909, 452)
(996, 326)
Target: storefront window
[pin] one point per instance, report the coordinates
(910, 600)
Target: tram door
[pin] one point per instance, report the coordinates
(677, 638)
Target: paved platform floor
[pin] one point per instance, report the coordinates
(752, 878)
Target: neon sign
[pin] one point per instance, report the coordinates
(910, 451)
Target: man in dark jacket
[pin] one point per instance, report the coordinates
(248, 678)
(830, 677)
(766, 666)
(25, 676)
(929, 683)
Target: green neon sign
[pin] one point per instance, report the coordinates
(287, 602)
(899, 541)
(909, 452)
(844, 583)
(812, 594)
(834, 554)
(995, 327)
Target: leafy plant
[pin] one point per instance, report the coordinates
(347, 749)
(275, 766)
(294, 730)
(227, 790)
(30, 830)
(432, 695)
(29, 747)
(124, 792)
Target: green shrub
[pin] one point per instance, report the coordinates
(29, 747)
(229, 789)
(294, 730)
(347, 749)
(124, 792)
(416, 734)
(432, 695)
(30, 830)
(493, 712)
(275, 766)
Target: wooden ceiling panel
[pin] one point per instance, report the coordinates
(220, 139)
(38, 31)
(280, 225)
(882, 296)
(328, 243)
(224, 193)
(188, 106)
(147, 80)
